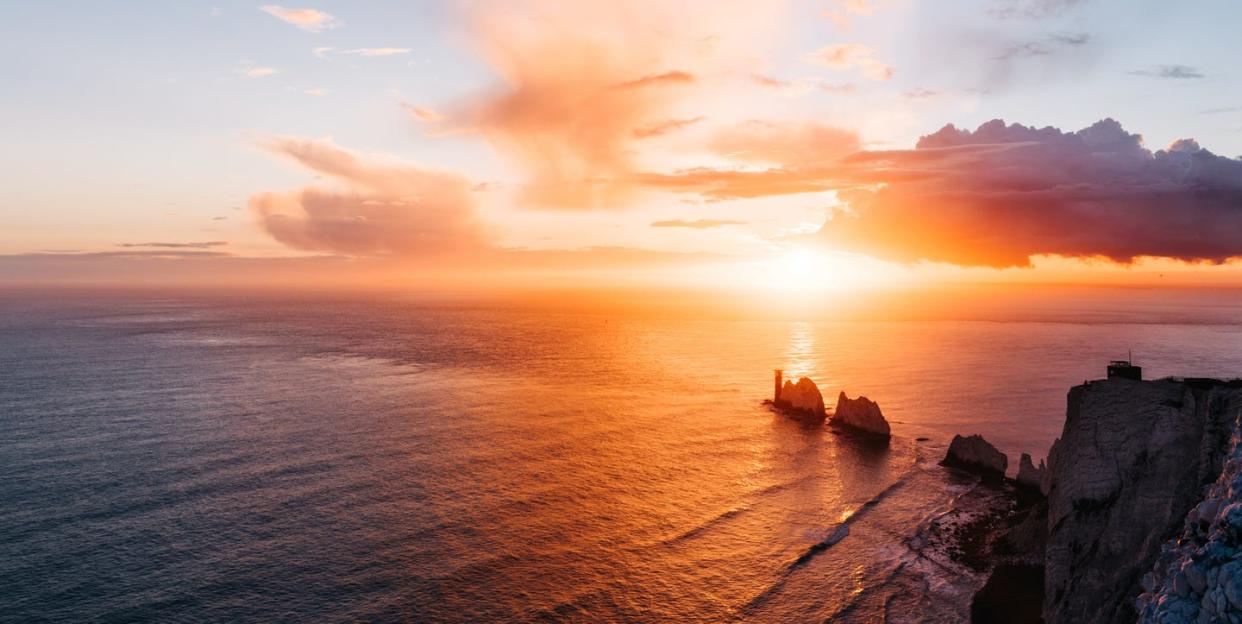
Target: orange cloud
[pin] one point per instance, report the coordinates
(378, 208)
(793, 144)
(845, 56)
(423, 114)
(661, 128)
(310, 20)
(583, 81)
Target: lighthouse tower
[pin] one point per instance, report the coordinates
(776, 393)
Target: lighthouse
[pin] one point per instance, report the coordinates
(776, 393)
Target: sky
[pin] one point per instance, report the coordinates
(828, 144)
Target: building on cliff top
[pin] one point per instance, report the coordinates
(1124, 369)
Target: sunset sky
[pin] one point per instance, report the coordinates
(716, 144)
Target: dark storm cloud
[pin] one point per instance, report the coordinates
(1000, 194)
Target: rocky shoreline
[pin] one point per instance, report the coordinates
(1135, 516)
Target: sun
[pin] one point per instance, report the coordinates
(801, 268)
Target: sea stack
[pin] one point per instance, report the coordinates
(1028, 475)
(801, 399)
(974, 454)
(861, 415)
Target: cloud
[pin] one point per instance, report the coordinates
(1048, 46)
(846, 56)
(425, 115)
(310, 20)
(377, 208)
(258, 72)
(1032, 9)
(787, 143)
(581, 83)
(1223, 109)
(842, 11)
(322, 52)
(194, 245)
(697, 224)
(1001, 194)
(1175, 72)
(663, 127)
(376, 51)
(920, 93)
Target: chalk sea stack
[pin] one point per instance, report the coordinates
(801, 400)
(1030, 476)
(861, 415)
(974, 454)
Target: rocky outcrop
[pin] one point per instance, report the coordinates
(1030, 476)
(802, 398)
(975, 454)
(1198, 574)
(1131, 464)
(862, 415)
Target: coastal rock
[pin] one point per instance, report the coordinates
(861, 414)
(975, 454)
(1131, 464)
(1028, 474)
(803, 397)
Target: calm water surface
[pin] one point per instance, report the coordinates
(191, 459)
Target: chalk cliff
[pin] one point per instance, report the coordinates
(861, 414)
(1131, 470)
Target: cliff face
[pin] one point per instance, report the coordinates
(1133, 459)
(1198, 574)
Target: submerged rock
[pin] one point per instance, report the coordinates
(861, 414)
(802, 398)
(1030, 476)
(975, 454)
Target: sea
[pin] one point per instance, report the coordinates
(263, 458)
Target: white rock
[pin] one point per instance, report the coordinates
(975, 454)
(861, 414)
(1028, 474)
(803, 397)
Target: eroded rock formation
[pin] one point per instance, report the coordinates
(1030, 476)
(862, 415)
(975, 454)
(802, 397)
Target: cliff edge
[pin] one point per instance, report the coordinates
(1133, 460)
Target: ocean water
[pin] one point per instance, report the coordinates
(260, 460)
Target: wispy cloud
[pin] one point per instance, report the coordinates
(258, 72)
(1174, 72)
(697, 224)
(921, 93)
(1032, 9)
(661, 128)
(310, 20)
(1223, 109)
(191, 245)
(376, 51)
(841, 13)
(845, 56)
(322, 51)
(317, 92)
(423, 114)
